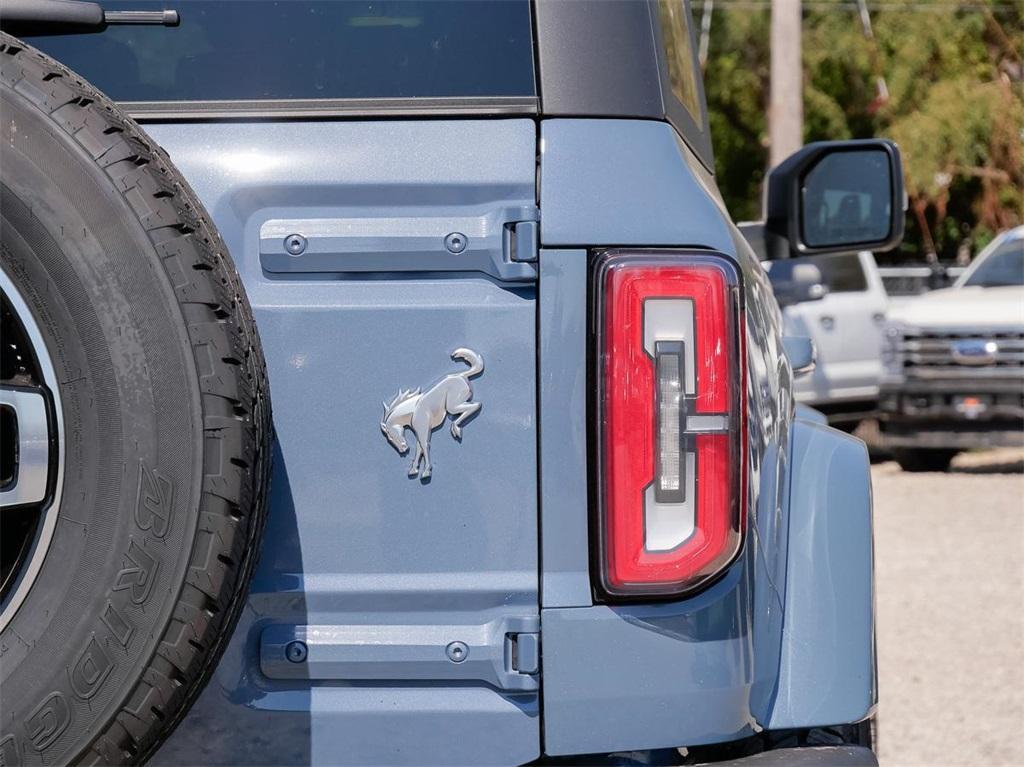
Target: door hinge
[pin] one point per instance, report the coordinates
(525, 652)
(500, 239)
(521, 242)
(504, 652)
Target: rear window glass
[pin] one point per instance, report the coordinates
(293, 49)
(1002, 268)
(841, 273)
(682, 65)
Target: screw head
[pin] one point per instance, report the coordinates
(295, 244)
(457, 652)
(296, 651)
(456, 242)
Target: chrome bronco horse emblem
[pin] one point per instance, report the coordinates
(425, 411)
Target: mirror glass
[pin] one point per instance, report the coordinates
(846, 199)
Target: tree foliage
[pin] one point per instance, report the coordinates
(954, 103)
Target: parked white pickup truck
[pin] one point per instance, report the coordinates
(845, 318)
(954, 363)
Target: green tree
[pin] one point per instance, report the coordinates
(736, 84)
(954, 103)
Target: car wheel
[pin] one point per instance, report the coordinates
(135, 431)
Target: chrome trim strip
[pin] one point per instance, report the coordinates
(492, 106)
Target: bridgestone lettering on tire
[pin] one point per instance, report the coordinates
(166, 425)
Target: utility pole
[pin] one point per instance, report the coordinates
(786, 108)
(705, 34)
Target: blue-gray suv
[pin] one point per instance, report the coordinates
(534, 488)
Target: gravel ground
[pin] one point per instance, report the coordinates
(950, 591)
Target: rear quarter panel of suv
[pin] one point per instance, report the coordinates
(705, 669)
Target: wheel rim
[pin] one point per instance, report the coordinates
(32, 440)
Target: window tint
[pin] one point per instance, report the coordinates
(682, 65)
(293, 49)
(1004, 267)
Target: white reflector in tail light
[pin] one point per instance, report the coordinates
(671, 411)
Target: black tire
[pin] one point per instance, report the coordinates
(924, 459)
(167, 426)
(862, 734)
(859, 734)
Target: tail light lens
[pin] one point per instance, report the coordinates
(671, 413)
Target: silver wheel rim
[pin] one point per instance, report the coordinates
(38, 456)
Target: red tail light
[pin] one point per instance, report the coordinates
(672, 421)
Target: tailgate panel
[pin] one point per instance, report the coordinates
(330, 368)
(376, 571)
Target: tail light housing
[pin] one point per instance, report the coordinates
(671, 418)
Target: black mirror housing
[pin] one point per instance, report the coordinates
(835, 197)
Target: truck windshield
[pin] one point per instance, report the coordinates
(291, 49)
(1002, 268)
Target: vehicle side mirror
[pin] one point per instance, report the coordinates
(795, 282)
(801, 353)
(835, 197)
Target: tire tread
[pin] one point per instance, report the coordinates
(234, 398)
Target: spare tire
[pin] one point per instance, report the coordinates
(136, 428)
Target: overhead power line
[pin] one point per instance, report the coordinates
(853, 6)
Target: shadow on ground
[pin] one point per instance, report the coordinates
(993, 461)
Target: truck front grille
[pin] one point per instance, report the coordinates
(963, 355)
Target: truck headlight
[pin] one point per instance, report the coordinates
(892, 349)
